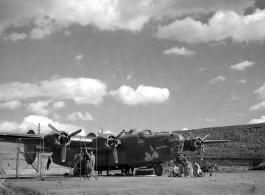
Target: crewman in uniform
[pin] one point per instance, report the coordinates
(88, 164)
(197, 170)
(48, 163)
(180, 161)
(92, 160)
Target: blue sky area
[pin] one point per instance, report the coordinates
(144, 64)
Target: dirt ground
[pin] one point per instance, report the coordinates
(250, 182)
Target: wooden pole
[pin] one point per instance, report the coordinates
(17, 160)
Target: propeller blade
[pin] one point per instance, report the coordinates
(115, 155)
(54, 129)
(63, 154)
(205, 137)
(75, 133)
(201, 152)
(215, 141)
(103, 136)
(181, 148)
(119, 134)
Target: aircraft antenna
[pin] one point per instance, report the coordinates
(80, 168)
(97, 152)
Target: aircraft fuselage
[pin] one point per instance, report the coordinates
(137, 149)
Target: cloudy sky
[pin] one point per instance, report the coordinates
(147, 64)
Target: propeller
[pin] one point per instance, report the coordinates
(115, 154)
(54, 129)
(74, 133)
(113, 142)
(64, 139)
(198, 143)
(202, 145)
(63, 153)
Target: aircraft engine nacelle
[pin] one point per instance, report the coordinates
(57, 141)
(30, 150)
(102, 144)
(194, 143)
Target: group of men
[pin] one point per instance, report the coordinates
(178, 169)
(89, 163)
(179, 164)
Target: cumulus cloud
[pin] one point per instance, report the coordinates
(259, 106)
(142, 95)
(40, 108)
(37, 19)
(242, 65)
(129, 76)
(67, 33)
(15, 37)
(12, 105)
(261, 120)
(179, 51)
(242, 81)
(58, 105)
(235, 98)
(79, 57)
(7, 126)
(210, 120)
(219, 78)
(261, 92)
(80, 90)
(222, 25)
(241, 115)
(19, 91)
(79, 116)
(261, 95)
(32, 122)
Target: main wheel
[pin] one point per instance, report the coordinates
(158, 170)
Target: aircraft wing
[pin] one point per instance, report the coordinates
(25, 138)
(215, 141)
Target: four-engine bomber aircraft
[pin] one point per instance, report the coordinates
(126, 150)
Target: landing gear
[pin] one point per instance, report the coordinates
(125, 172)
(158, 170)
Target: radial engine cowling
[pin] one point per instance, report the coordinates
(30, 150)
(102, 144)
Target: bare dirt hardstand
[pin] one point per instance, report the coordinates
(247, 182)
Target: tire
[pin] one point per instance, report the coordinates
(158, 170)
(144, 172)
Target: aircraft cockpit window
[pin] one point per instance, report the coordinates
(132, 131)
(147, 132)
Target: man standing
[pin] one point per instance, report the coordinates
(180, 161)
(48, 163)
(92, 160)
(197, 170)
(88, 164)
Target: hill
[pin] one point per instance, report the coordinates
(246, 146)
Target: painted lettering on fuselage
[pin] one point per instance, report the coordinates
(160, 147)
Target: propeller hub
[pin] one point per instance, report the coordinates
(64, 139)
(113, 142)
